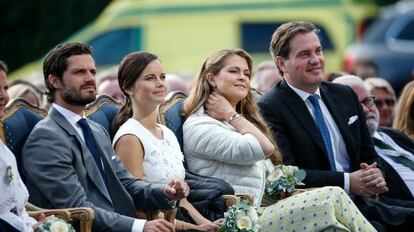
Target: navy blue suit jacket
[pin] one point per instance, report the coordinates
(299, 138)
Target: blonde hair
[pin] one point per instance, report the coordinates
(379, 83)
(404, 117)
(19, 88)
(246, 107)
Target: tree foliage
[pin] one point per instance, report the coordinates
(30, 28)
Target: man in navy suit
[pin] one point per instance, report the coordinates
(321, 127)
(389, 144)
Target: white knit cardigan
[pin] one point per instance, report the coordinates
(215, 148)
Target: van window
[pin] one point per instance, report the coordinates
(109, 48)
(255, 37)
(407, 33)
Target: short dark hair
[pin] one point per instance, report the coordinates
(3, 67)
(56, 63)
(279, 45)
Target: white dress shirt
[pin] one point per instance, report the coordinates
(341, 157)
(73, 119)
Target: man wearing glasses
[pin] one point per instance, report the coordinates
(394, 147)
(384, 99)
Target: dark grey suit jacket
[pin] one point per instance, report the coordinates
(62, 173)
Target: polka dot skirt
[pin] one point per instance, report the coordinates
(322, 209)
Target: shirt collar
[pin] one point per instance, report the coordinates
(72, 117)
(377, 135)
(302, 94)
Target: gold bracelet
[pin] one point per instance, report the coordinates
(234, 116)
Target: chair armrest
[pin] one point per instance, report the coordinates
(230, 200)
(168, 214)
(83, 214)
(246, 196)
(61, 213)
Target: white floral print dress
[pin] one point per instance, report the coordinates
(163, 159)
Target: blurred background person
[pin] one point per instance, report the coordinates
(333, 75)
(265, 76)
(384, 98)
(176, 83)
(108, 84)
(404, 111)
(365, 69)
(27, 91)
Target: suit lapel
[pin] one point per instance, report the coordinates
(121, 199)
(301, 112)
(89, 162)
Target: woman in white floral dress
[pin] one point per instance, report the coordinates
(150, 150)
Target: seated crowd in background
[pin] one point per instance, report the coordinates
(108, 84)
(25, 90)
(225, 137)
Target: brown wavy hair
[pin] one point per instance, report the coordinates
(246, 107)
(404, 111)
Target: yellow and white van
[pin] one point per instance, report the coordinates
(184, 32)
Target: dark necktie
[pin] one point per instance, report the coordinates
(91, 144)
(323, 128)
(400, 158)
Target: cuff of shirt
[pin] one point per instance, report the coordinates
(138, 225)
(346, 182)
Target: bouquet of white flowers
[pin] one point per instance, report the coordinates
(55, 224)
(282, 181)
(241, 217)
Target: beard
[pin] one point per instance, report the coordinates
(74, 96)
(372, 122)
